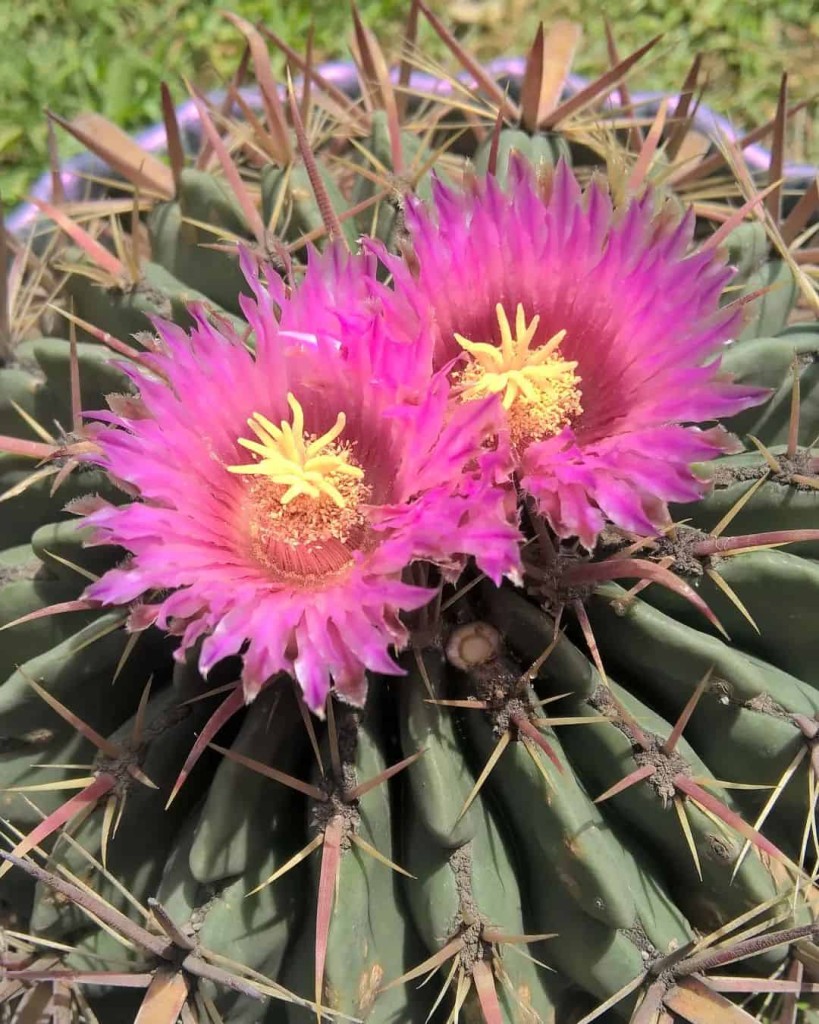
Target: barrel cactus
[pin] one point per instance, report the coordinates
(408, 569)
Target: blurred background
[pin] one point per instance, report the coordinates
(110, 56)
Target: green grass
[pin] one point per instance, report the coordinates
(110, 56)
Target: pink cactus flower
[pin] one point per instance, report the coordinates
(599, 329)
(281, 493)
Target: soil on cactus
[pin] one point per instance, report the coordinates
(408, 578)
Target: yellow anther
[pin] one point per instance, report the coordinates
(302, 465)
(539, 390)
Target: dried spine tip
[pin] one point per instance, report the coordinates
(472, 645)
(808, 726)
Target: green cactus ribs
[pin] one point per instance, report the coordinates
(591, 793)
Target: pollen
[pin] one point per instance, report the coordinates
(304, 492)
(539, 390)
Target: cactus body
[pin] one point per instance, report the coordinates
(544, 825)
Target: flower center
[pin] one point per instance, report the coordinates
(305, 493)
(540, 390)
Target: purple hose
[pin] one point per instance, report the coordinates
(343, 75)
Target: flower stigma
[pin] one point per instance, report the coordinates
(304, 492)
(540, 390)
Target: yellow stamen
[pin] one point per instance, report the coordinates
(540, 390)
(303, 465)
